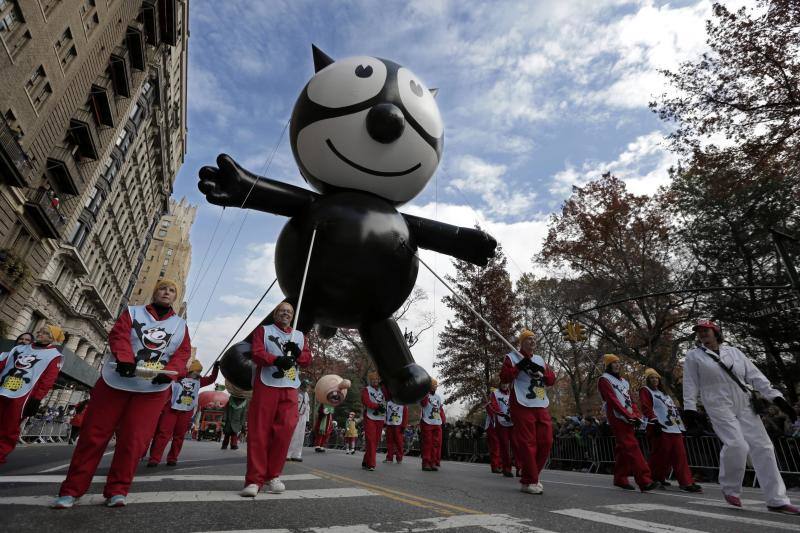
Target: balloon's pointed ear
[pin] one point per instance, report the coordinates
(321, 59)
(434, 92)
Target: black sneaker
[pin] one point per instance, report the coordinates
(626, 486)
(172, 463)
(508, 473)
(694, 487)
(650, 486)
(152, 465)
(664, 484)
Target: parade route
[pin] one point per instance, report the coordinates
(331, 493)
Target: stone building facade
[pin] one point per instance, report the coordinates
(169, 254)
(93, 98)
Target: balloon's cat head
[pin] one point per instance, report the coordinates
(368, 124)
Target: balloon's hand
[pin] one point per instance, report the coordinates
(227, 184)
(482, 244)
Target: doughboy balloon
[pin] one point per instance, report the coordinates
(366, 133)
(331, 390)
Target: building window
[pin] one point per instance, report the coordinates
(13, 123)
(111, 169)
(162, 233)
(22, 243)
(35, 321)
(136, 114)
(48, 5)
(169, 252)
(165, 223)
(123, 141)
(94, 202)
(79, 235)
(38, 88)
(89, 16)
(65, 48)
(12, 27)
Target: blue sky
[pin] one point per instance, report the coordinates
(536, 96)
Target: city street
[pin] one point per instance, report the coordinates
(331, 493)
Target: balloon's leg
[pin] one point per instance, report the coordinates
(407, 381)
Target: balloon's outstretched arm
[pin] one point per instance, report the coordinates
(467, 244)
(230, 185)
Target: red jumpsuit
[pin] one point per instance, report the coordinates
(11, 408)
(394, 437)
(628, 458)
(131, 415)
(173, 424)
(667, 450)
(503, 436)
(271, 416)
(495, 462)
(321, 438)
(532, 436)
(431, 435)
(372, 430)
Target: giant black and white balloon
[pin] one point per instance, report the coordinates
(367, 134)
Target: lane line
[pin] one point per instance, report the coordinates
(493, 522)
(622, 521)
(196, 496)
(60, 467)
(323, 473)
(638, 507)
(140, 479)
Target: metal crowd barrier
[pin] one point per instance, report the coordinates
(37, 430)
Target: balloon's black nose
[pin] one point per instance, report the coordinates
(385, 123)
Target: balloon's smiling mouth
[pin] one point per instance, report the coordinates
(368, 170)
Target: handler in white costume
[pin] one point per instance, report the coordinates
(299, 435)
(735, 422)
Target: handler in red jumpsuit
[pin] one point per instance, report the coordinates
(176, 417)
(665, 434)
(495, 462)
(152, 337)
(499, 406)
(373, 398)
(323, 426)
(623, 416)
(533, 429)
(431, 421)
(277, 352)
(27, 373)
(395, 424)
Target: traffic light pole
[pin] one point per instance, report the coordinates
(780, 237)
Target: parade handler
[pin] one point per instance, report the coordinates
(176, 417)
(396, 422)
(490, 424)
(624, 417)
(499, 407)
(533, 429)
(272, 416)
(303, 408)
(373, 398)
(235, 418)
(27, 373)
(144, 338)
(323, 426)
(430, 424)
(727, 382)
(665, 434)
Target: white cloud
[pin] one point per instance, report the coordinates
(486, 180)
(258, 265)
(643, 165)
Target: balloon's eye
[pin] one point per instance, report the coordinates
(363, 72)
(416, 88)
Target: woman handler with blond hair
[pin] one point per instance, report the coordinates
(27, 373)
(145, 340)
(533, 429)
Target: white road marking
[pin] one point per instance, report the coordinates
(500, 523)
(195, 496)
(61, 467)
(637, 507)
(142, 479)
(621, 521)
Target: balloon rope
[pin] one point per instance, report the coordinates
(463, 301)
(253, 310)
(303, 284)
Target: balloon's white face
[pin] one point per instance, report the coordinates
(367, 124)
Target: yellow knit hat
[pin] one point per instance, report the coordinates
(165, 283)
(434, 383)
(57, 333)
(609, 358)
(195, 366)
(524, 334)
(651, 372)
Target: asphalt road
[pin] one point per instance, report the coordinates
(331, 493)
